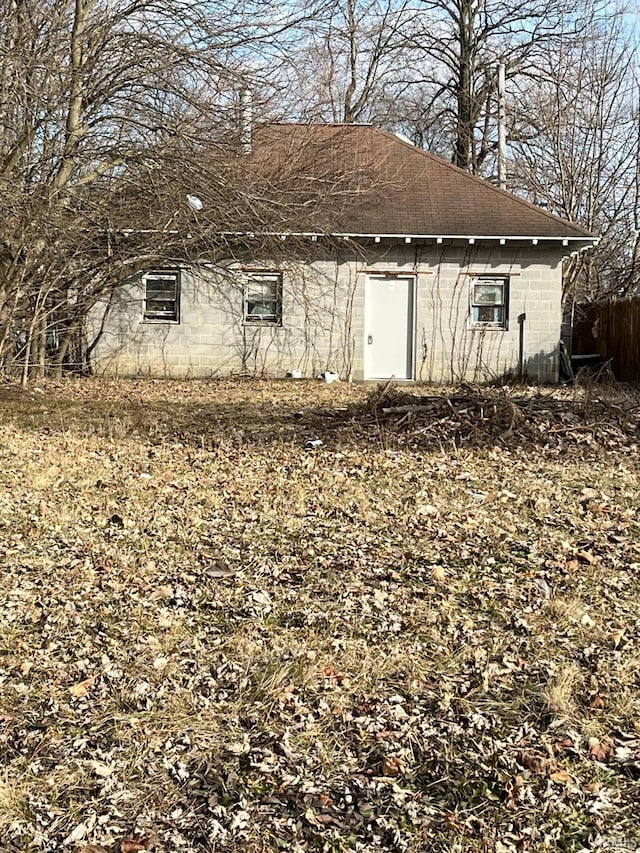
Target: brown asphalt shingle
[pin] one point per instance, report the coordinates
(381, 185)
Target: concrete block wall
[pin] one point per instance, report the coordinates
(211, 339)
(323, 317)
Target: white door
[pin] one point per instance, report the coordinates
(388, 327)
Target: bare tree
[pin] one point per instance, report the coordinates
(457, 44)
(427, 69)
(574, 149)
(96, 97)
(352, 58)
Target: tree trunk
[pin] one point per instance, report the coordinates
(41, 360)
(63, 348)
(463, 151)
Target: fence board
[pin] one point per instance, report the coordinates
(616, 325)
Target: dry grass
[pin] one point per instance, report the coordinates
(216, 638)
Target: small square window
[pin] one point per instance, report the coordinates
(263, 299)
(162, 296)
(490, 302)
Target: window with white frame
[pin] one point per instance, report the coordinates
(263, 298)
(489, 302)
(162, 296)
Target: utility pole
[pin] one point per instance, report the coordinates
(246, 119)
(502, 130)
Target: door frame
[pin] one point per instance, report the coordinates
(412, 278)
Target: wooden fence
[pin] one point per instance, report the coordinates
(611, 329)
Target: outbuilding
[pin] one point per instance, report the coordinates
(416, 270)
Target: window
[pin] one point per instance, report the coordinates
(263, 299)
(162, 296)
(490, 302)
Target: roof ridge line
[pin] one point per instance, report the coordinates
(318, 124)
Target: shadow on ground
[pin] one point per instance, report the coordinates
(384, 418)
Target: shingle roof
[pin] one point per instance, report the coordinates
(391, 188)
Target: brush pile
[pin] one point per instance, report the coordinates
(557, 420)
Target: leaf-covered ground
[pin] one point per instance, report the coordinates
(260, 616)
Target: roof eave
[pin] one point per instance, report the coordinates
(510, 238)
(566, 239)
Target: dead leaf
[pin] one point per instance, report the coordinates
(324, 818)
(330, 674)
(101, 769)
(81, 689)
(132, 845)
(561, 777)
(220, 571)
(439, 575)
(535, 763)
(562, 745)
(600, 750)
(616, 636)
(427, 509)
(587, 557)
(589, 494)
(164, 591)
(286, 694)
(513, 787)
(392, 766)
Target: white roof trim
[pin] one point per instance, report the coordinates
(409, 238)
(471, 237)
